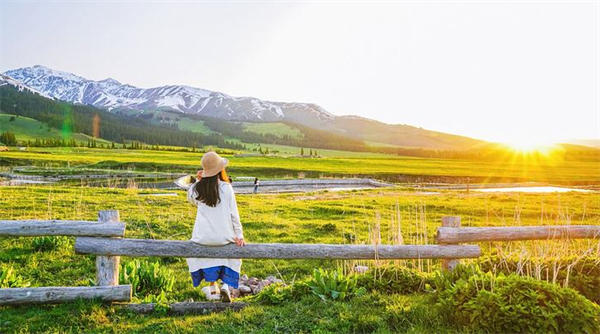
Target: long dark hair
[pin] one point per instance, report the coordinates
(207, 189)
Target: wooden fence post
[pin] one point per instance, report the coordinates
(450, 221)
(107, 267)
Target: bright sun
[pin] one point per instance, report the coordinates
(528, 145)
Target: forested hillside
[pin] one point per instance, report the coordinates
(91, 121)
(121, 127)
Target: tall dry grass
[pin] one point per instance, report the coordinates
(546, 260)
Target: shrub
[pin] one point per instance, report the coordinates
(500, 304)
(10, 279)
(160, 300)
(146, 278)
(395, 279)
(584, 275)
(277, 293)
(49, 243)
(334, 285)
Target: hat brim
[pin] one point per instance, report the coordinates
(214, 171)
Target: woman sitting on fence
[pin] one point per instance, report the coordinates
(217, 224)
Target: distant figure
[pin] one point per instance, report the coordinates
(256, 183)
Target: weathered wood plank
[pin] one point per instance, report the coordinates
(143, 247)
(32, 228)
(512, 233)
(107, 267)
(188, 307)
(13, 296)
(450, 221)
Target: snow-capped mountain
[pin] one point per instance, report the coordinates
(111, 94)
(6, 80)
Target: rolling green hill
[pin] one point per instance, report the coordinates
(400, 135)
(26, 128)
(276, 129)
(170, 119)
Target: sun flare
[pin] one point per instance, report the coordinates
(531, 146)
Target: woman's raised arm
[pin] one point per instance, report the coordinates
(235, 218)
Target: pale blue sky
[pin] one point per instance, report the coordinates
(504, 71)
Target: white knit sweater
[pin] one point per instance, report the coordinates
(216, 226)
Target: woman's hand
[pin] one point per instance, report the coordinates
(240, 242)
(198, 175)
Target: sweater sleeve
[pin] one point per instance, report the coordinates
(235, 215)
(191, 195)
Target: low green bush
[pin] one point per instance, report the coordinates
(327, 285)
(146, 278)
(583, 276)
(475, 301)
(334, 285)
(160, 300)
(10, 279)
(395, 279)
(277, 293)
(49, 243)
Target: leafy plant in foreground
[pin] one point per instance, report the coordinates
(334, 285)
(146, 278)
(578, 273)
(10, 279)
(277, 293)
(160, 300)
(513, 304)
(49, 243)
(395, 279)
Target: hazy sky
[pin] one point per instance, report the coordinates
(497, 70)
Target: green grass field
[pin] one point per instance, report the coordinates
(322, 217)
(388, 167)
(193, 125)
(276, 129)
(26, 128)
(333, 217)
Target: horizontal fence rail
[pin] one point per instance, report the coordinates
(142, 247)
(31, 228)
(43, 295)
(454, 235)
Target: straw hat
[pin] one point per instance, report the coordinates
(212, 164)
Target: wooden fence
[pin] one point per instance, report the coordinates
(452, 234)
(107, 277)
(104, 239)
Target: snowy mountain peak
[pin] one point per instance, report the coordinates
(111, 94)
(110, 81)
(6, 80)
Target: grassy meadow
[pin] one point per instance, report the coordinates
(398, 215)
(25, 128)
(331, 163)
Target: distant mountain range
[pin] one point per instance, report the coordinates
(111, 94)
(114, 96)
